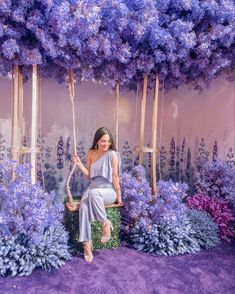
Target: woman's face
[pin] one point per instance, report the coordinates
(104, 143)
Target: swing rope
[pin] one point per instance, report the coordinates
(71, 206)
(71, 95)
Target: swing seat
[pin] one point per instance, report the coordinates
(74, 206)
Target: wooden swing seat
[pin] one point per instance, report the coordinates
(74, 206)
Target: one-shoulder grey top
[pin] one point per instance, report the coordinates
(103, 166)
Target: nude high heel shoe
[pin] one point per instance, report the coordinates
(88, 257)
(107, 237)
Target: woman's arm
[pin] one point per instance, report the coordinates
(83, 169)
(116, 180)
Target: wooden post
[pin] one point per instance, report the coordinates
(34, 124)
(117, 113)
(15, 117)
(141, 149)
(21, 115)
(154, 138)
(142, 119)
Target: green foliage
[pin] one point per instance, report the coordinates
(72, 226)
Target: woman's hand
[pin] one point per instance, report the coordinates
(83, 169)
(77, 160)
(118, 199)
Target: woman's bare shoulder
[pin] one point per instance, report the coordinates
(91, 153)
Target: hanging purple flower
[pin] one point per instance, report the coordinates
(31, 56)
(10, 48)
(182, 41)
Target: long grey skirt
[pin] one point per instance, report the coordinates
(92, 206)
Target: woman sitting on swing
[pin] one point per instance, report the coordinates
(103, 168)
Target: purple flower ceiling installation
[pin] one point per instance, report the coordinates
(183, 41)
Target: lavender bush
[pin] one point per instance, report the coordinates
(32, 223)
(163, 225)
(136, 193)
(190, 234)
(15, 256)
(19, 256)
(165, 239)
(169, 207)
(216, 179)
(204, 229)
(218, 210)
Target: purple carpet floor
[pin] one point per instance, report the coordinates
(125, 270)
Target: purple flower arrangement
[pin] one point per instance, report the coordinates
(26, 208)
(182, 41)
(31, 226)
(136, 193)
(218, 209)
(162, 223)
(216, 179)
(169, 207)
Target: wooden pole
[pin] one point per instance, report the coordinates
(15, 118)
(153, 149)
(142, 119)
(117, 113)
(21, 115)
(34, 124)
(154, 138)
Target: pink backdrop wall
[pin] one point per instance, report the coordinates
(182, 113)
